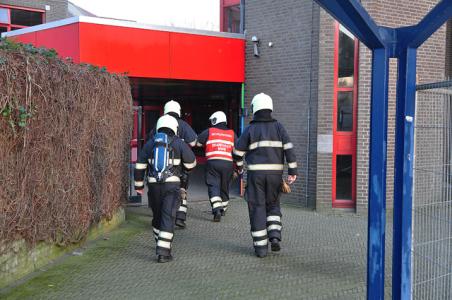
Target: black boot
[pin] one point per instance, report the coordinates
(275, 245)
(217, 216)
(261, 254)
(180, 223)
(223, 213)
(164, 258)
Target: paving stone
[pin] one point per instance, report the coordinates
(322, 257)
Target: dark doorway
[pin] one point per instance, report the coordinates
(198, 99)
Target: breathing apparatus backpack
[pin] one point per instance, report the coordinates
(162, 157)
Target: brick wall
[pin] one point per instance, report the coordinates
(58, 8)
(288, 73)
(449, 50)
(431, 67)
(284, 71)
(325, 109)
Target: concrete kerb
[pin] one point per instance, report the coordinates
(22, 260)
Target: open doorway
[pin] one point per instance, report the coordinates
(198, 99)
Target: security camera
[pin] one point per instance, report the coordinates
(255, 41)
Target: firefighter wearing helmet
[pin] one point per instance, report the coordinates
(161, 162)
(188, 135)
(219, 143)
(265, 145)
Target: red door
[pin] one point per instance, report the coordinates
(344, 119)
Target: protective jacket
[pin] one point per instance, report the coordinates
(219, 143)
(164, 196)
(185, 132)
(265, 145)
(182, 158)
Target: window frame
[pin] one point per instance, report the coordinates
(224, 6)
(9, 25)
(344, 142)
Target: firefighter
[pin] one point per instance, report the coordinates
(265, 145)
(219, 143)
(163, 159)
(187, 134)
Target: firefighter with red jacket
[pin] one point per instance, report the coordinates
(162, 160)
(265, 145)
(219, 143)
(188, 135)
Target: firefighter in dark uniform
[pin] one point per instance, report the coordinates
(187, 134)
(219, 143)
(164, 192)
(265, 145)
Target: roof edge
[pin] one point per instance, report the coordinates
(120, 23)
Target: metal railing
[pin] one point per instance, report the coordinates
(432, 193)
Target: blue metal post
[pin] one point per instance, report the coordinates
(377, 175)
(403, 179)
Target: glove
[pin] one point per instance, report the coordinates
(285, 188)
(183, 193)
(239, 171)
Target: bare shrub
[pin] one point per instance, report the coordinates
(64, 134)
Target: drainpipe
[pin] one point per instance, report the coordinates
(242, 118)
(308, 147)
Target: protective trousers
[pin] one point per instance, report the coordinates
(182, 209)
(163, 200)
(218, 178)
(262, 195)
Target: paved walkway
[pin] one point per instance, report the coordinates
(323, 257)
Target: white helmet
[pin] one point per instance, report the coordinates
(172, 106)
(261, 101)
(166, 121)
(218, 117)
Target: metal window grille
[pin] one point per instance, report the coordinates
(432, 194)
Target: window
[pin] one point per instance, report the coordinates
(12, 18)
(346, 58)
(4, 15)
(25, 17)
(232, 19)
(344, 168)
(230, 16)
(345, 111)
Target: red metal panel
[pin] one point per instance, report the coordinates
(64, 39)
(27, 38)
(197, 57)
(140, 52)
(147, 53)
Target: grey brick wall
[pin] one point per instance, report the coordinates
(449, 50)
(431, 67)
(288, 73)
(58, 8)
(325, 109)
(303, 37)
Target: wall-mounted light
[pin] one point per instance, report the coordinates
(256, 43)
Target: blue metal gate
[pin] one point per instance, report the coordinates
(432, 193)
(401, 43)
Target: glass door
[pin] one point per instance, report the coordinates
(344, 118)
